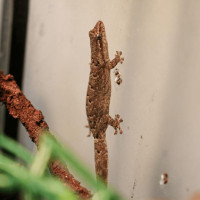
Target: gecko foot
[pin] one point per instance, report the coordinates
(116, 60)
(118, 55)
(115, 123)
(89, 134)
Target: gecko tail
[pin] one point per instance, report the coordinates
(101, 159)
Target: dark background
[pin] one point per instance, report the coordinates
(16, 61)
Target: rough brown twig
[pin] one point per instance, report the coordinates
(21, 108)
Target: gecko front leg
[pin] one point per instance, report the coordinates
(116, 60)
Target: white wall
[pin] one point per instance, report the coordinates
(158, 100)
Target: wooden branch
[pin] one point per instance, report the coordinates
(21, 108)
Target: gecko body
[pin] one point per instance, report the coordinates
(98, 97)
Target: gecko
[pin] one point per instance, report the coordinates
(98, 97)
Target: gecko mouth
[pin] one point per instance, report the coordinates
(98, 44)
(98, 31)
(98, 27)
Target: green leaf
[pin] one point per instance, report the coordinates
(45, 186)
(14, 148)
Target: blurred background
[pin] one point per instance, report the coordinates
(45, 45)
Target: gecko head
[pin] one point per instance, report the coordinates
(98, 32)
(98, 42)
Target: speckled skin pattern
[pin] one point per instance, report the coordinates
(98, 97)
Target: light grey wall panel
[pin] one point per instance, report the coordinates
(159, 98)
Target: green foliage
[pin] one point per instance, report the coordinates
(33, 178)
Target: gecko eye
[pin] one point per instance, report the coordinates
(99, 37)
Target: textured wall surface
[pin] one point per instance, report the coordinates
(159, 98)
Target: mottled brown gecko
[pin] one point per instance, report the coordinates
(98, 97)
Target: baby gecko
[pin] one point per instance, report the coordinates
(98, 97)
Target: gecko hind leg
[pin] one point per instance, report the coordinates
(90, 132)
(115, 123)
